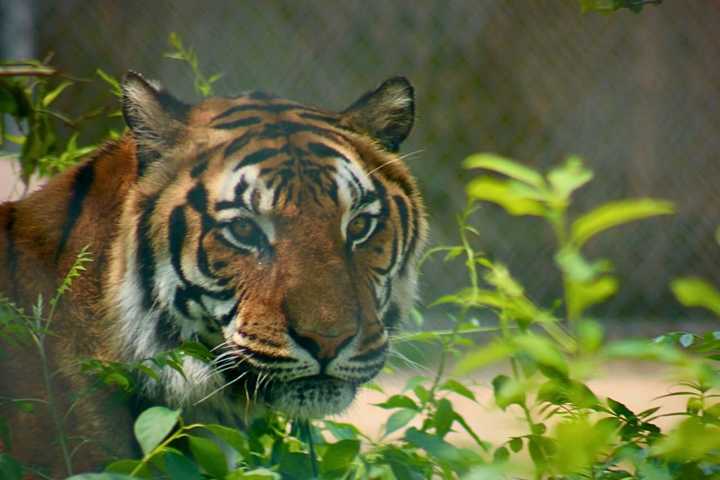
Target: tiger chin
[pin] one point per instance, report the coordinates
(283, 237)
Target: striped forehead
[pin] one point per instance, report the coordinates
(264, 179)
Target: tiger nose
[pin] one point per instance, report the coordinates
(322, 346)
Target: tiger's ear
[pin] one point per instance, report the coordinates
(154, 117)
(385, 114)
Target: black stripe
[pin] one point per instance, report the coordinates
(369, 355)
(145, 254)
(238, 144)
(243, 122)
(323, 151)
(257, 157)
(256, 357)
(199, 167)
(413, 242)
(391, 317)
(285, 128)
(319, 116)
(228, 317)
(197, 198)
(11, 252)
(166, 331)
(393, 258)
(81, 186)
(404, 220)
(262, 107)
(260, 340)
(177, 230)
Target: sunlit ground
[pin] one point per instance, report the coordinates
(636, 385)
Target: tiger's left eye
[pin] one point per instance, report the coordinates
(360, 228)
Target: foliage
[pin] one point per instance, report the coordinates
(36, 327)
(203, 84)
(547, 354)
(48, 138)
(607, 6)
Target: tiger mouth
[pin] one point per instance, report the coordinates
(312, 397)
(308, 397)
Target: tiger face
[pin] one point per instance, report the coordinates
(283, 237)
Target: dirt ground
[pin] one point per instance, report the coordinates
(635, 385)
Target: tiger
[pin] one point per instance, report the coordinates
(285, 238)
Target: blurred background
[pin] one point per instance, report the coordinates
(636, 95)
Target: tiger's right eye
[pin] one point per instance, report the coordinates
(243, 228)
(246, 234)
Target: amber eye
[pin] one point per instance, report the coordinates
(360, 228)
(245, 234)
(243, 228)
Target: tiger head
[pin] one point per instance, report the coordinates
(283, 237)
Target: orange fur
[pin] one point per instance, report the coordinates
(150, 210)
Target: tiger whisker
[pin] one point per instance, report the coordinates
(399, 158)
(411, 363)
(220, 388)
(224, 344)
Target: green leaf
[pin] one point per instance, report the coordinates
(100, 476)
(196, 350)
(505, 166)
(414, 382)
(233, 437)
(507, 391)
(577, 268)
(616, 213)
(501, 455)
(542, 351)
(342, 431)
(10, 469)
(127, 466)
(457, 387)
(483, 356)
(208, 455)
(153, 425)
(180, 467)
(502, 193)
(569, 177)
(692, 440)
(5, 438)
(696, 292)
(437, 448)
(583, 295)
(538, 448)
(578, 444)
(398, 401)
(7, 102)
(256, 474)
(560, 392)
(444, 417)
(54, 93)
(516, 444)
(590, 335)
(115, 87)
(399, 419)
(643, 350)
(340, 455)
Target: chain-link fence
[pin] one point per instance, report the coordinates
(636, 95)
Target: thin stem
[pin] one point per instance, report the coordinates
(307, 432)
(52, 405)
(180, 433)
